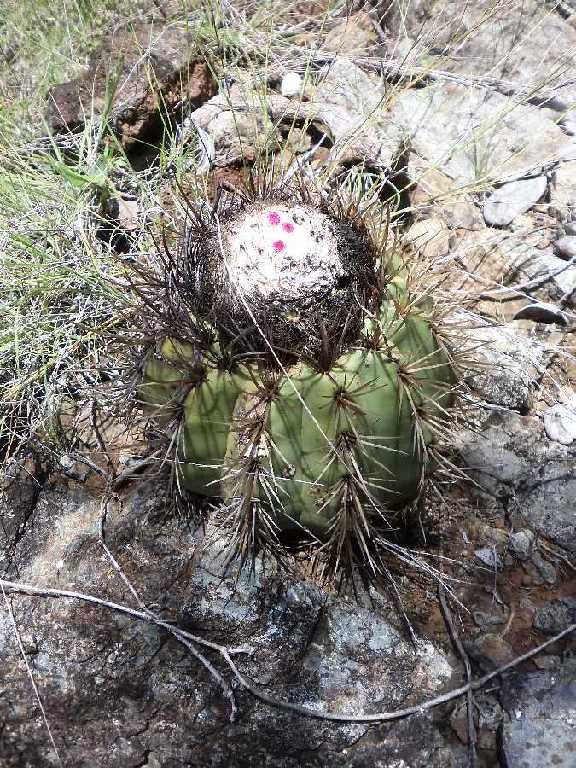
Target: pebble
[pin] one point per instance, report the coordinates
(489, 556)
(521, 543)
(565, 247)
(547, 571)
(560, 423)
(512, 199)
(555, 616)
(291, 84)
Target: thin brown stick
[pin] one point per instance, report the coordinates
(461, 651)
(29, 589)
(226, 689)
(31, 676)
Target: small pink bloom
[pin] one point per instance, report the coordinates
(288, 226)
(278, 245)
(273, 218)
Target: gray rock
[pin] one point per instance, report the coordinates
(483, 619)
(546, 571)
(443, 121)
(565, 247)
(510, 458)
(346, 101)
(563, 189)
(540, 731)
(548, 502)
(521, 544)
(121, 690)
(561, 276)
(560, 422)
(511, 362)
(510, 200)
(555, 616)
(489, 557)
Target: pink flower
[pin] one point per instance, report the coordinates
(288, 226)
(273, 218)
(278, 245)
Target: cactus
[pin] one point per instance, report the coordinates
(311, 380)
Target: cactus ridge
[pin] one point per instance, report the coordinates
(327, 437)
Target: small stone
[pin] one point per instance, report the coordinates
(489, 556)
(565, 247)
(291, 84)
(521, 544)
(490, 651)
(511, 200)
(540, 731)
(547, 571)
(555, 616)
(430, 237)
(546, 662)
(483, 619)
(560, 423)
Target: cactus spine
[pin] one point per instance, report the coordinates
(314, 405)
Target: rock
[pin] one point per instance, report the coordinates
(119, 690)
(555, 616)
(540, 729)
(509, 457)
(472, 41)
(565, 247)
(511, 363)
(443, 120)
(570, 228)
(239, 122)
(563, 188)
(547, 572)
(291, 84)
(488, 715)
(560, 422)
(158, 72)
(547, 503)
(352, 36)
(510, 200)
(562, 276)
(435, 195)
(521, 544)
(542, 312)
(483, 619)
(568, 124)
(430, 237)
(489, 557)
(489, 651)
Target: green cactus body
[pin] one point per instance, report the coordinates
(317, 432)
(322, 423)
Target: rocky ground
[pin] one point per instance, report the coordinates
(478, 130)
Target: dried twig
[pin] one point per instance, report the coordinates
(31, 675)
(12, 587)
(461, 651)
(226, 689)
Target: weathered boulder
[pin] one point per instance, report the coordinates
(122, 692)
(141, 76)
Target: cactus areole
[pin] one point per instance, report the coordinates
(314, 379)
